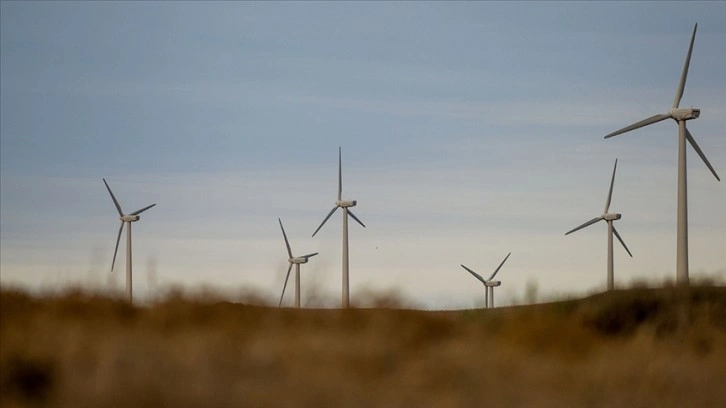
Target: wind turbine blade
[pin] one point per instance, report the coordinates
(684, 73)
(142, 210)
(340, 173)
(700, 153)
(644, 122)
(118, 206)
(476, 275)
(287, 244)
(326, 219)
(118, 239)
(309, 255)
(610, 193)
(285, 286)
(621, 241)
(356, 218)
(500, 266)
(592, 221)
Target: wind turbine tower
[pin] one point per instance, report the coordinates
(345, 205)
(609, 218)
(125, 219)
(489, 284)
(293, 261)
(680, 115)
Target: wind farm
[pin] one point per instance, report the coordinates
(471, 131)
(432, 192)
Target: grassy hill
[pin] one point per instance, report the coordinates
(640, 347)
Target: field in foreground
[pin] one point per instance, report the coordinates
(634, 348)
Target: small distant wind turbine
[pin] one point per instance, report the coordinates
(346, 212)
(125, 219)
(609, 218)
(293, 261)
(680, 115)
(489, 284)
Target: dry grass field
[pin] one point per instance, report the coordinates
(629, 348)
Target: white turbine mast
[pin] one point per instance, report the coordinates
(293, 260)
(680, 115)
(345, 205)
(489, 284)
(125, 219)
(609, 218)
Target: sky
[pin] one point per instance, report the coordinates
(468, 130)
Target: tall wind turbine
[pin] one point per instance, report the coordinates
(345, 205)
(293, 261)
(125, 219)
(609, 218)
(489, 284)
(680, 115)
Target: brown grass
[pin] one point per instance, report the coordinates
(635, 348)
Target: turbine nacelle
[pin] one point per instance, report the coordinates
(611, 216)
(129, 218)
(685, 113)
(345, 204)
(492, 283)
(297, 260)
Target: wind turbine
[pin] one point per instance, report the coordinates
(293, 261)
(489, 284)
(609, 218)
(680, 115)
(345, 205)
(125, 219)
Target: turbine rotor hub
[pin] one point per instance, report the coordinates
(685, 113)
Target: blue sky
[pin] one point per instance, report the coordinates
(468, 130)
